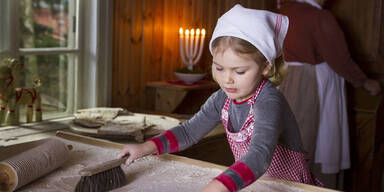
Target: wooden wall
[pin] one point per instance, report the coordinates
(363, 25)
(146, 44)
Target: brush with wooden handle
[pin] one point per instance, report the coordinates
(100, 177)
(95, 169)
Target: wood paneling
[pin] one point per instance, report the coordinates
(146, 44)
(362, 22)
(363, 25)
(366, 112)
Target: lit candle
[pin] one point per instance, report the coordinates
(201, 44)
(187, 52)
(197, 37)
(181, 45)
(181, 32)
(191, 56)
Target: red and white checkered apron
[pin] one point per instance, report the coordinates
(286, 164)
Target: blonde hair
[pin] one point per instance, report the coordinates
(277, 72)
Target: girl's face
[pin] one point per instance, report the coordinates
(238, 75)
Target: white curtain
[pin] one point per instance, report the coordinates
(5, 31)
(97, 35)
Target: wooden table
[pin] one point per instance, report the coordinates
(170, 97)
(210, 144)
(61, 176)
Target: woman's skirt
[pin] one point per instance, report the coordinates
(300, 89)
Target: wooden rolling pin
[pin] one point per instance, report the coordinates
(29, 165)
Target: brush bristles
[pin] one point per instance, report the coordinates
(103, 181)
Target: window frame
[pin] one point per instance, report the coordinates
(92, 76)
(72, 49)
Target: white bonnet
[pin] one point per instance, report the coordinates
(263, 29)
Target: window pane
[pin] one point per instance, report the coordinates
(45, 23)
(57, 83)
(4, 23)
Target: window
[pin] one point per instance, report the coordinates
(43, 35)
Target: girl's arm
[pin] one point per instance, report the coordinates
(215, 186)
(190, 132)
(185, 135)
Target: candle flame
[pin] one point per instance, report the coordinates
(198, 32)
(203, 32)
(192, 32)
(187, 32)
(181, 31)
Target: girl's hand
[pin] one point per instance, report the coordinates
(215, 186)
(136, 151)
(372, 86)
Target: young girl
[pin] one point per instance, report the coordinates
(259, 124)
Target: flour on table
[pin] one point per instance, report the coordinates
(146, 174)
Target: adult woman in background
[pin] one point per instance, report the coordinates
(318, 62)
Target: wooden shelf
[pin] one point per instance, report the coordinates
(166, 97)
